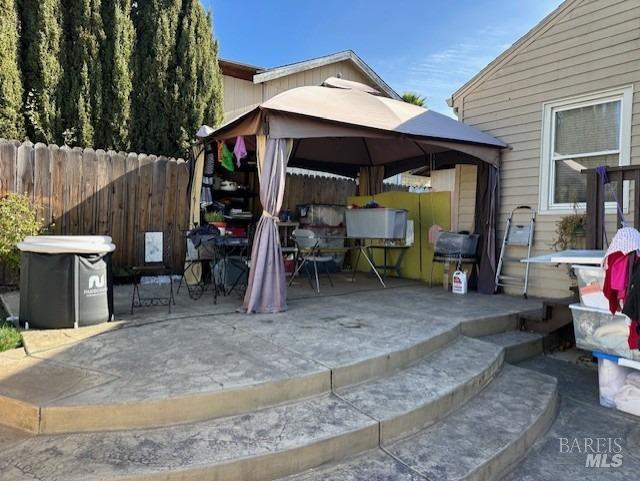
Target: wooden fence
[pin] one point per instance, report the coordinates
(312, 189)
(86, 191)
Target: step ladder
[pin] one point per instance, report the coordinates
(517, 237)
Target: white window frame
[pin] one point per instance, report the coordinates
(547, 170)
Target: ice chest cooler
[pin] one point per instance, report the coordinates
(65, 281)
(377, 223)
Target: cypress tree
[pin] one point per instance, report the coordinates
(156, 23)
(81, 89)
(117, 57)
(197, 88)
(11, 118)
(41, 67)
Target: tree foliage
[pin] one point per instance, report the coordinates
(42, 39)
(414, 98)
(121, 74)
(11, 118)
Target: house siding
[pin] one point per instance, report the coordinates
(243, 95)
(593, 46)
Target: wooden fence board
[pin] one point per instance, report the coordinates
(158, 185)
(24, 170)
(88, 193)
(102, 193)
(42, 182)
(73, 201)
(58, 161)
(117, 212)
(182, 206)
(8, 161)
(132, 166)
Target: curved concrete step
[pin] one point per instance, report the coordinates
(518, 345)
(259, 446)
(489, 434)
(415, 397)
(146, 387)
(479, 441)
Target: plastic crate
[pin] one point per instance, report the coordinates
(599, 330)
(590, 282)
(379, 223)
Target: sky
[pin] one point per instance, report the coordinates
(428, 47)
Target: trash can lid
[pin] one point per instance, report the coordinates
(67, 244)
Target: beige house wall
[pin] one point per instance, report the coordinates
(242, 95)
(591, 46)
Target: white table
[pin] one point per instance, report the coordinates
(570, 256)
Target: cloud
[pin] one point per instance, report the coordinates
(439, 73)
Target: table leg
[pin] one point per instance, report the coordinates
(373, 267)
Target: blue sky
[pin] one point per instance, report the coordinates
(429, 47)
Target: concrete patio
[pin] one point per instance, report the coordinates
(393, 376)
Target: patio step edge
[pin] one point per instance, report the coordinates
(473, 429)
(427, 390)
(519, 345)
(260, 446)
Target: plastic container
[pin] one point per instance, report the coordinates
(459, 283)
(379, 223)
(599, 330)
(611, 377)
(325, 215)
(590, 282)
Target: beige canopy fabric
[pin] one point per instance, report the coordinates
(340, 130)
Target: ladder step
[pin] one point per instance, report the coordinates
(511, 278)
(512, 259)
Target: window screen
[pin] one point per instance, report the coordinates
(581, 137)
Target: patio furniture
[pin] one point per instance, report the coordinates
(200, 252)
(154, 265)
(386, 246)
(230, 267)
(309, 251)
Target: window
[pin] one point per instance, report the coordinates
(581, 133)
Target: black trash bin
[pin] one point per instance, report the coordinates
(66, 281)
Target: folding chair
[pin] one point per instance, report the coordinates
(308, 251)
(152, 245)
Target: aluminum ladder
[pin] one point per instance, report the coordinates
(516, 237)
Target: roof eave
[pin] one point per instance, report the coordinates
(284, 70)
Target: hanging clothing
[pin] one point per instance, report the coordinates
(239, 150)
(227, 158)
(626, 240)
(616, 280)
(634, 335)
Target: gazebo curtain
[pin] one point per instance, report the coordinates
(487, 199)
(267, 289)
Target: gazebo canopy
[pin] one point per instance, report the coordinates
(343, 126)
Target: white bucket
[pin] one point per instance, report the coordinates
(459, 284)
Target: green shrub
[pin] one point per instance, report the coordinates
(18, 219)
(10, 338)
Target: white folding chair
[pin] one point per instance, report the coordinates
(308, 251)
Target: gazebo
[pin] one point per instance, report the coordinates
(344, 128)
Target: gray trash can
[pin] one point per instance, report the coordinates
(66, 281)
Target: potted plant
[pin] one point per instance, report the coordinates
(570, 232)
(216, 219)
